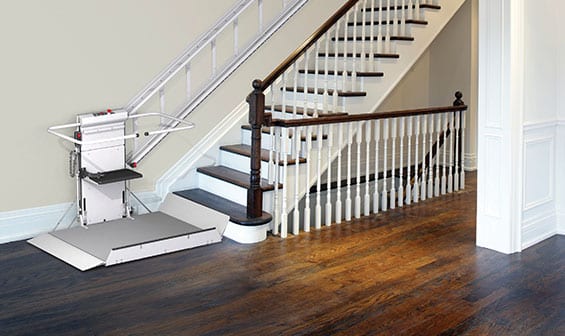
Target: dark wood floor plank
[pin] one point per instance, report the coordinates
(410, 271)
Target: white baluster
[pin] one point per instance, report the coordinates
(316, 71)
(377, 143)
(307, 200)
(354, 58)
(162, 101)
(214, 57)
(335, 96)
(443, 175)
(236, 36)
(403, 28)
(384, 197)
(305, 96)
(187, 73)
(417, 168)
(284, 214)
(338, 204)
(388, 30)
(393, 170)
(381, 26)
(163, 121)
(363, 36)
(277, 206)
(417, 15)
(318, 222)
(457, 150)
(296, 133)
(367, 206)
(284, 98)
(372, 38)
(345, 51)
(295, 90)
(260, 11)
(401, 167)
(438, 130)
(358, 179)
(348, 192)
(409, 164)
(272, 168)
(329, 176)
(325, 99)
(451, 150)
(430, 159)
(462, 174)
(423, 181)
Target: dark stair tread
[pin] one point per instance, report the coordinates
(309, 111)
(245, 150)
(237, 212)
(234, 177)
(399, 7)
(375, 55)
(330, 91)
(375, 38)
(340, 73)
(267, 130)
(385, 22)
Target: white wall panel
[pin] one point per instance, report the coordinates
(539, 171)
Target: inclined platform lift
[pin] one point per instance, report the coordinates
(108, 234)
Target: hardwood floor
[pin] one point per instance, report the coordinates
(411, 271)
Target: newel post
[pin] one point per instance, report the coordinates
(256, 101)
(459, 102)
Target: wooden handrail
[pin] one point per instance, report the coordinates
(360, 117)
(293, 57)
(256, 100)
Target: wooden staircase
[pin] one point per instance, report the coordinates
(228, 186)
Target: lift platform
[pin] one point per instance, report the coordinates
(108, 234)
(179, 225)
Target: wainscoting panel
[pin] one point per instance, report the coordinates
(539, 217)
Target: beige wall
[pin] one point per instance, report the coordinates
(447, 66)
(65, 57)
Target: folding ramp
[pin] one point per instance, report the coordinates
(178, 225)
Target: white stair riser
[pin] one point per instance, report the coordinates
(240, 162)
(266, 141)
(359, 29)
(228, 190)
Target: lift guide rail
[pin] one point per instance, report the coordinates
(108, 234)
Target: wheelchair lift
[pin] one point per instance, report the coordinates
(108, 234)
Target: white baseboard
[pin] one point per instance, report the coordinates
(27, 223)
(538, 229)
(470, 161)
(561, 223)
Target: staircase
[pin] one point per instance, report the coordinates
(347, 67)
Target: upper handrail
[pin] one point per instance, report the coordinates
(199, 88)
(270, 79)
(189, 53)
(330, 119)
(188, 125)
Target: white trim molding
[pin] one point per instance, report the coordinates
(538, 229)
(27, 223)
(470, 161)
(561, 222)
(500, 115)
